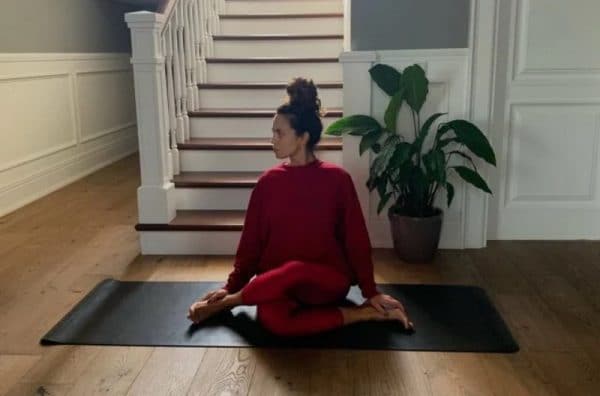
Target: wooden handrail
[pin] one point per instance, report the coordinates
(166, 8)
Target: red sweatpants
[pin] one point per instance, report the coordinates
(297, 298)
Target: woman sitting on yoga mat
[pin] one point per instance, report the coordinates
(304, 236)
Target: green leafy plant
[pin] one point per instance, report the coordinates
(405, 171)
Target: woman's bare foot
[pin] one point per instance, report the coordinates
(367, 312)
(202, 309)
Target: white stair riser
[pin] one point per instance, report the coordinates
(190, 242)
(273, 72)
(224, 127)
(236, 160)
(282, 6)
(328, 25)
(302, 47)
(261, 98)
(212, 198)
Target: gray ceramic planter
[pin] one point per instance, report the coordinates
(416, 239)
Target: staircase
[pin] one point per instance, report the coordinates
(255, 48)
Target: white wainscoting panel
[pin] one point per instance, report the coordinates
(556, 39)
(63, 116)
(546, 121)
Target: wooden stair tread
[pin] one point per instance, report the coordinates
(263, 85)
(223, 37)
(249, 113)
(216, 179)
(200, 220)
(327, 143)
(272, 59)
(283, 15)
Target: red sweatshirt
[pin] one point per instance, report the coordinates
(309, 212)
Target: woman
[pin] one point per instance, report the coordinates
(304, 236)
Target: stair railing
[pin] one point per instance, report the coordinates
(168, 57)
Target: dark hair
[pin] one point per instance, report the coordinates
(303, 110)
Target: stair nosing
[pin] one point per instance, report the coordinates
(282, 15)
(173, 226)
(244, 37)
(215, 183)
(250, 144)
(255, 113)
(264, 85)
(272, 59)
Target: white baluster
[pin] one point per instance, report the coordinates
(171, 100)
(189, 56)
(219, 9)
(179, 18)
(202, 23)
(214, 18)
(156, 199)
(200, 62)
(177, 79)
(165, 108)
(208, 16)
(212, 14)
(206, 27)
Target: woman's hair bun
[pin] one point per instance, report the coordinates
(302, 94)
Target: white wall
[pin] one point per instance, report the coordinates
(59, 26)
(63, 116)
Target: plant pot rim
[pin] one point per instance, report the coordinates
(439, 213)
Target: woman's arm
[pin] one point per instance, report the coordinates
(356, 238)
(250, 245)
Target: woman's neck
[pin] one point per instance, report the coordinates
(302, 159)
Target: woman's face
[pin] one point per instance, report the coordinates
(285, 142)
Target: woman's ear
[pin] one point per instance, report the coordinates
(305, 138)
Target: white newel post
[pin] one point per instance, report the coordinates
(156, 199)
(357, 100)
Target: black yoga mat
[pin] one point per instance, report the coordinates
(446, 318)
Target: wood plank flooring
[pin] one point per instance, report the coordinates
(53, 251)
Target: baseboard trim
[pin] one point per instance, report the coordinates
(54, 177)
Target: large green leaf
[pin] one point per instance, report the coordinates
(391, 113)
(418, 143)
(387, 78)
(401, 154)
(435, 166)
(472, 177)
(380, 164)
(425, 128)
(444, 142)
(468, 134)
(354, 124)
(416, 86)
(382, 186)
(460, 153)
(369, 140)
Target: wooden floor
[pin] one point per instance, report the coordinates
(55, 250)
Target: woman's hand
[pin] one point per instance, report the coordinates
(384, 302)
(215, 295)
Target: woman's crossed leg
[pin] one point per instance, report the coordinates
(297, 298)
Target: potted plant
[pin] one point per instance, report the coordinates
(407, 172)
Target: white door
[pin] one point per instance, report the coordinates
(546, 121)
